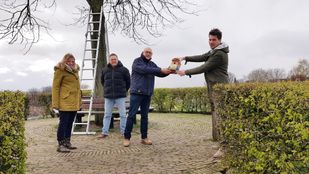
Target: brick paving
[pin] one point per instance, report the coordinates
(182, 144)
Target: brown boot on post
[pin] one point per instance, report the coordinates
(146, 141)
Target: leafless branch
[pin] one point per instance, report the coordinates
(20, 24)
(134, 18)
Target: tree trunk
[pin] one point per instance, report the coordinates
(95, 6)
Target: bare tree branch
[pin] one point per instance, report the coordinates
(20, 24)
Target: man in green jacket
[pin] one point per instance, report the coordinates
(215, 69)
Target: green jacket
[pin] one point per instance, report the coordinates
(215, 66)
(66, 93)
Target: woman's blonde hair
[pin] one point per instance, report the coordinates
(66, 58)
(62, 63)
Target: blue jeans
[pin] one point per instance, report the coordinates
(108, 111)
(66, 119)
(136, 101)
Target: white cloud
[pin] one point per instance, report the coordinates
(4, 70)
(43, 65)
(23, 74)
(9, 80)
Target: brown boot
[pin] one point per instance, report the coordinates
(126, 143)
(61, 147)
(102, 136)
(69, 145)
(146, 141)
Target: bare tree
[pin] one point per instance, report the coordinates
(232, 77)
(301, 69)
(276, 74)
(19, 23)
(131, 17)
(258, 75)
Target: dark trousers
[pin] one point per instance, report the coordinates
(66, 119)
(136, 101)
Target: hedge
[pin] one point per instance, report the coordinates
(266, 126)
(190, 100)
(12, 138)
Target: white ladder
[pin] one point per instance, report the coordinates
(89, 68)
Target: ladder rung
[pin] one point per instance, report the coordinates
(90, 59)
(87, 69)
(94, 22)
(90, 40)
(86, 79)
(80, 123)
(94, 13)
(91, 49)
(92, 31)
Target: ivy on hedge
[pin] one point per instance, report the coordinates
(266, 126)
(12, 139)
(190, 100)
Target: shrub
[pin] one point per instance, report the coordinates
(12, 139)
(192, 100)
(266, 126)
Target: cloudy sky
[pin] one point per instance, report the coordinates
(261, 34)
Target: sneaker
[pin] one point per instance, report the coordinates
(62, 149)
(126, 143)
(146, 141)
(102, 136)
(219, 154)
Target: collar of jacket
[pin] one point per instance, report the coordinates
(144, 58)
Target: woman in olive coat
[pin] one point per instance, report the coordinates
(66, 97)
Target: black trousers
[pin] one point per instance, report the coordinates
(66, 119)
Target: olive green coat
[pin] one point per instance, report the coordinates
(66, 93)
(215, 66)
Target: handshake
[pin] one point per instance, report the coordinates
(174, 67)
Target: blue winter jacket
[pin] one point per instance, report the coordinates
(142, 78)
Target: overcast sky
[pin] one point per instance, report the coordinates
(261, 34)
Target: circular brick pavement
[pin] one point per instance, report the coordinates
(182, 144)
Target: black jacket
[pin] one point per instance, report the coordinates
(116, 81)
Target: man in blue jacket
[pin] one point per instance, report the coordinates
(142, 84)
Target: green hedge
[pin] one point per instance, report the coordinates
(12, 139)
(266, 126)
(191, 100)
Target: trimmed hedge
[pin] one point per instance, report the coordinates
(12, 138)
(266, 126)
(190, 100)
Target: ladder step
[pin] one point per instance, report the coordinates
(86, 79)
(94, 13)
(89, 59)
(87, 69)
(90, 40)
(93, 31)
(94, 22)
(80, 123)
(91, 49)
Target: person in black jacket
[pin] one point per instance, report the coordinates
(142, 80)
(116, 83)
